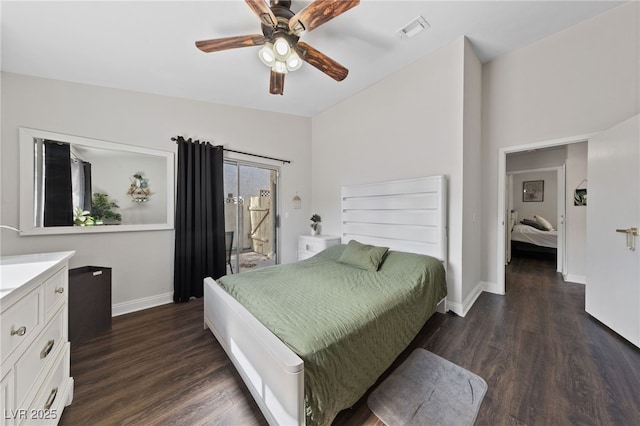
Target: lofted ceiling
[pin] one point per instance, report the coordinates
(148, 46)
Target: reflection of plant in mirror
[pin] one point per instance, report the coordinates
(82, 217)
(102, 208)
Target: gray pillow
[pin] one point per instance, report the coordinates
(363, 256)
(533, 224)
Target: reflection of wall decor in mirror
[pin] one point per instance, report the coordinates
(139, 189)
(533, 190)
(580, 195)
(65, 180)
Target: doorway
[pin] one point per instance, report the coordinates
(250, 210)
(504, 212)
(550, 204)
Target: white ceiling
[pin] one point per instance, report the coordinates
(148, 46)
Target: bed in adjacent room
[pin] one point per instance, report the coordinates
(310, 338)
(534, 236)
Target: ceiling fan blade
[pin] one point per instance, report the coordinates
(226, 43)
(321, 61)
(319, 12)
(263, 11)
(276, 83)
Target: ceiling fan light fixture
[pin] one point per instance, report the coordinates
(266, 55)
(280, 67)
(281, 48)
(293, 61)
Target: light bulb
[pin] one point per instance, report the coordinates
(293, 61)
(266, 55)
(280, 67)
(281, 49)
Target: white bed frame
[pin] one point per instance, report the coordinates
(408, 215)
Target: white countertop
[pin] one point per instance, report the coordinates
(16, 271)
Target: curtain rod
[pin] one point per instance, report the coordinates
(246, 153)
(258, 155)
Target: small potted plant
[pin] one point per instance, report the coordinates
(315, 224)
(82, 217)
(102, 209)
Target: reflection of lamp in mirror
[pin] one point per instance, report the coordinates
(139, 189)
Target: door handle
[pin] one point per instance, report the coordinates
(631, 232)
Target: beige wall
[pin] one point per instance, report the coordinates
(142, 262)
(472, 178)
(548, 208)
(581, 80)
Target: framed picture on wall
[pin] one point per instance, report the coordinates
(533, 190)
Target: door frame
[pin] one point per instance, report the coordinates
(502, 179)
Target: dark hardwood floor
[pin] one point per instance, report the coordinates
(545, 360)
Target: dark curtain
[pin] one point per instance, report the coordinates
(58, 200)
(86, 166)
(199, 246)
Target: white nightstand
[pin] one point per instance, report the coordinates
(309, 245)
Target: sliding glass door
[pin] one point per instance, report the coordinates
(250, 215)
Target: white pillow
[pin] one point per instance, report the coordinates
(544, 223)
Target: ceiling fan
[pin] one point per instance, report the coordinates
(281, 28)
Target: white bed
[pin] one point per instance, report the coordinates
(537, 237)
(408, 215)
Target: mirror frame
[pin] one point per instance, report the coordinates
(27, 184)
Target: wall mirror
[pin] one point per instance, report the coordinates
(71, 184)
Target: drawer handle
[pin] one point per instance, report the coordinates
(60, 290)
(47, 349)
(19, 332)
(51, 399)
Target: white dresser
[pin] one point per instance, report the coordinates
(309, 245)
(35, 381)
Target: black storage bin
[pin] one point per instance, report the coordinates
(89, 303)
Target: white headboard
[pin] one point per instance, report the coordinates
(404, 215)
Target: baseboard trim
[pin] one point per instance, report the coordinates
(463, 308)
(573, 278)
(140, 304)
(492, 288)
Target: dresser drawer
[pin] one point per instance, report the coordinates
(19, 323)
(7, 400)
(305, 254)
(38, 356)
(55, 291)
(311, 245)
(48, 404)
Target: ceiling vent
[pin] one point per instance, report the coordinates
(413, 27)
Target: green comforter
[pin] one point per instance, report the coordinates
(348, 325)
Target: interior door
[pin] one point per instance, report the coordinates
(613, 211)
